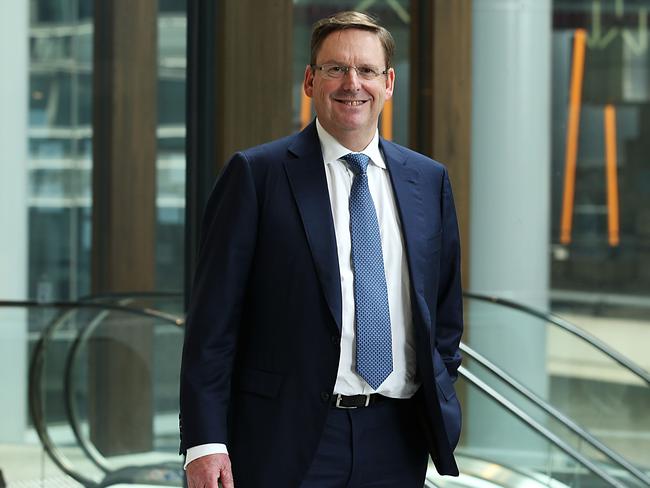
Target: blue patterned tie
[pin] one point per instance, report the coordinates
(374, 345)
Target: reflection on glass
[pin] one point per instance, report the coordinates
(605, 245)
(76, 416)
(532, 450)
(59, 212)
(60, 146)
(60, 162)
(575, 378)
(600, 233)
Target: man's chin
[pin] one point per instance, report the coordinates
(352, 122)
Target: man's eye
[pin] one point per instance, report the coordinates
(336, 69)
(365, 70)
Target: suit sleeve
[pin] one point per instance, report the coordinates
(225, 256)
(449, 325)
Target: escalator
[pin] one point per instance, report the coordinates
(531, 418)
(545, 398)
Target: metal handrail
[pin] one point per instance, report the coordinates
(68, 386)
(144, 311)
(36, 366)
(539, 428)
(547, 316)
(86, 331)
(37, 361)
(35, 400)
(555, 414)
(71, 411)
(130, 295)
(603, 347)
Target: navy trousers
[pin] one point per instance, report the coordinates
(379, 446)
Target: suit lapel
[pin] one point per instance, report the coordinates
(306, 173)
(408, 195)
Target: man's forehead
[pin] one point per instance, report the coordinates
(359, 43)
(343, 36)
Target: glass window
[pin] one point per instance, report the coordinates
(58, 222)
(600, 213)
(559, 203)
(60, 155)
(170, 173)
(602, 236)
(60, 139)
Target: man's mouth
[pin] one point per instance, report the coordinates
(351, 103)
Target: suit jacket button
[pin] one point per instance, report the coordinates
(325, 396)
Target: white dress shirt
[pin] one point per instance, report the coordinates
(401, 382)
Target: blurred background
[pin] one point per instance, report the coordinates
(117, 116)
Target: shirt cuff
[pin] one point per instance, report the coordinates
(203, 450)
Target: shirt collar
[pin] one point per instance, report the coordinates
(333, 150)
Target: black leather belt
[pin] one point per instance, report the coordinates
(357, 401)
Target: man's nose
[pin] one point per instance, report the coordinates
(351, 80)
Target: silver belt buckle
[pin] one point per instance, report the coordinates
(339, 397)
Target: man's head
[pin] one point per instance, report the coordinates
(351, 20)
(350, 76)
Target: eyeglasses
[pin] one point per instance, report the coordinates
(335, 71)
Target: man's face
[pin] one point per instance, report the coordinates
(348, 108)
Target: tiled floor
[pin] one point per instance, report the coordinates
(28, 466)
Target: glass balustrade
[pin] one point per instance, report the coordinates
(103, 397)
(103, 392)
(570, 373)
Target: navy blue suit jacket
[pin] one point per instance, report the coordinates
(262, 342)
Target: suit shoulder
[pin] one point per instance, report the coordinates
(263, 163)
(415, 158)
(269, 152)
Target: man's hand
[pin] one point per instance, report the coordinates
(204, 472)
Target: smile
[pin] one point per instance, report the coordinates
(352, 103)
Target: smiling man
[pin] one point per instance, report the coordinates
(349, 80)
(322, 336)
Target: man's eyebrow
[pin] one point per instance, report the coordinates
(341, 63)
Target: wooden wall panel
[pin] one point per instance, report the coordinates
(124, 218)
(452, 108)
(441, 110)
(254, 77)
(124, 145)
(441, 105)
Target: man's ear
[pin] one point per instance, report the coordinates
(390, 83)
(308, 83)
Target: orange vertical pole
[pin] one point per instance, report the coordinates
(611, 176)
(571, 155)
(387, 120)
(305, 111)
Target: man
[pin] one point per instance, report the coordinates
(322, 336)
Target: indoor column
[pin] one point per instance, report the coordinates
(510, 181)
(14, 84)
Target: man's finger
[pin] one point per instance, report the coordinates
(226, 478)
(207, 471)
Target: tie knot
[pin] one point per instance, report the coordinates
(357, 162)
